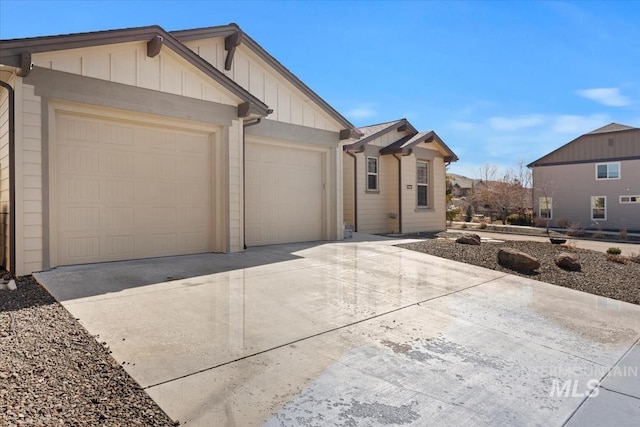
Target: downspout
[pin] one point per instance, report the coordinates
(244, 181)
(399, 193)
(355, 189)
(12, 176)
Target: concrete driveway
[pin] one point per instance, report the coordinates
(358, 333)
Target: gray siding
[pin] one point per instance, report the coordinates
(572, 185)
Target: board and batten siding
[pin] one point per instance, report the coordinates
(610, 145)
(128, 63)
(253, 74)
(433, 218)
(572, 186)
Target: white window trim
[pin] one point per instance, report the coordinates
(376, 174)
(550, 207)
(591, 208)
(608, 163)
(418, 185)
(629, 197)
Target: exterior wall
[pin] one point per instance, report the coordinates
(376, 207)
(5, 207)
(235, 184)
(347, 190)
(288, 103)
(572, 186)
(128, 64)
(433, 218)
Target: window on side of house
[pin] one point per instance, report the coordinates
(629, 199)
(608, 170)
(599, 207)
(545, 207)
(372, 174)
(422, 184)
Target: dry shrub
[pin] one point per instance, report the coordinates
(482, 225)
(539, 222)
(634, 257)
(622, 234)
(598, 234)
(576, 230)
(464, 225)
(571, 247)
(476, 220)
(618, 258)
(563, 223)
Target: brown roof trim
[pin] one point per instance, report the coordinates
(396, 125)
(227, 30)
(11, 52)
(577, 162)
(406, 145)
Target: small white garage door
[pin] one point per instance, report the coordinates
(284, 201)
(128, 190)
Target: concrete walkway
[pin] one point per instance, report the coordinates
(358, 333)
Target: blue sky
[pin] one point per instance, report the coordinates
(498, 81)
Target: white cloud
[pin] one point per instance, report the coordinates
(578, 125)
(516, 123)
(361, 112)
(609, 96)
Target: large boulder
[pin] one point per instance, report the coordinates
(517, 260)
(469, 239)
(568, 261)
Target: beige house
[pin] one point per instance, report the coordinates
(141, 143)
(593, 181)
(394, 179)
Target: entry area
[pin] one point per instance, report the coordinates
(129, 187)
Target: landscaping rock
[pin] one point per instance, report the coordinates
(568, 261)
(469, 239)
(517, 260)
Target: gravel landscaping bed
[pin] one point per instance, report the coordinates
(598, 276)
(53, 372)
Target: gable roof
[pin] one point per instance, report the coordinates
(233, 29)
(611, 127)
(369, 133)
(405, 145)
(611, 130)
(17, 53)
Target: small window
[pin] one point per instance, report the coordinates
(545, 207)
(608, 170)
(372, 174)
(423, 184)
(629, 199)
(598, 207)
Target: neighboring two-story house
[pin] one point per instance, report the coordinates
(593, 180)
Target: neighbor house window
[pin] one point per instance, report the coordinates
(545, 207)
(629, 199)
(608, 170)
(423, 184)
(599, 207)
(372, 174)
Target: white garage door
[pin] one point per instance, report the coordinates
(284, 201)
(127, 190)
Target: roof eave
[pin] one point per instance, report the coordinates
(12, 54)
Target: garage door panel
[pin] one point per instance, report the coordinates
(129, 191)
(284, 196)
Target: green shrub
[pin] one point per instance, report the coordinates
(468, 214)
(614, 251)
(452, 214)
